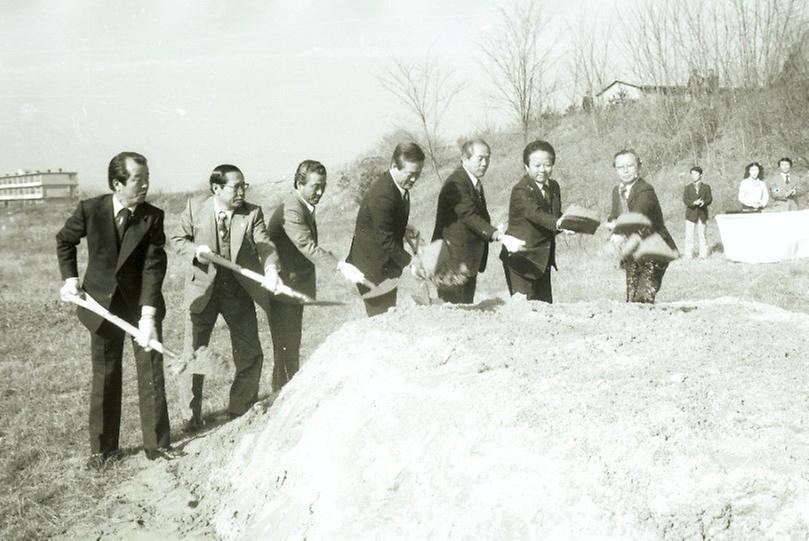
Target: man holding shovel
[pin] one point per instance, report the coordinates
(126, 265)
(293, 229)
(234, 229)
(377, 248)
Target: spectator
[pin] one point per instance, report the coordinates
(753, 194)
(697, 197)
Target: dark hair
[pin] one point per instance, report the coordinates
(697, 168)
(468, 147)
(406, 152)
(219, 172)
(785, 159)
(534, 146)
(117, 169)
(306, 167)
(750, 165)
(626, 151)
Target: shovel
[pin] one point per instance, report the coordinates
(89, 303)
(282, 289)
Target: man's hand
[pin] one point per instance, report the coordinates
(351, 273)
(567, 232)
(792, 192)
(411, 232)
(699, 202)
(147, 331)
(202, 249)
(271, 279)
(70, 289)
(512, 244)
(497, 235)
(417, 268)
(609, 226)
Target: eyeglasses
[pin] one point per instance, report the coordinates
(243, 186)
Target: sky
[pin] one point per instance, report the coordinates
(195, 83)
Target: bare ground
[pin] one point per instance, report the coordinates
(512, 420)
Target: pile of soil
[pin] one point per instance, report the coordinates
(521, 420)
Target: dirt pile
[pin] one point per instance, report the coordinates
(524, 420)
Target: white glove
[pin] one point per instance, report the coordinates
(351, 273)
(512, 244)
(567, 232)
(502, 228)
(417, 268)
(147, 331)
(411, 232)
(609, 226)
(271, 279)
(202, 249)
(70, 289)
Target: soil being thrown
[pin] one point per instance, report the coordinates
(521, 420)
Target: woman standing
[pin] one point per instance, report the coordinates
(753, 193)
(533, 216)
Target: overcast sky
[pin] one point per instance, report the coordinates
(195, 83)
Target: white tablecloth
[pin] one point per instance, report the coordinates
(765, 237)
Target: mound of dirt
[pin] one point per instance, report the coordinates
(522, 420)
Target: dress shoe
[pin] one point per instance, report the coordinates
(193, 425)
(96, 462)
(165, 453)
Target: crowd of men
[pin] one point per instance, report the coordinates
(127, 263)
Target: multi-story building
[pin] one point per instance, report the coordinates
(38, 186)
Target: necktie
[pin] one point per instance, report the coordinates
(224, 234)
(121, 221)
(479, 189)
(786, 178)
(406, 199)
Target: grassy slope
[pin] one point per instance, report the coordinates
(44, 350)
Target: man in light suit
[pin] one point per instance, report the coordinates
(229, 226)
(785, 188)
(125, 269)
(462, 220)
(377, 248)
(293, 230)
(697, 198)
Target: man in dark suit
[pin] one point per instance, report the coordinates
(633, 194)
(534, 212)
(125, 269)
(228, 225)
(697, 198)
(462, 220)
(293, 230)
(377, 248)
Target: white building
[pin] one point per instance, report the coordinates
(618, 92)
(38, 186)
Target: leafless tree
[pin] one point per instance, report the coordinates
(518, 63)
(426, 89)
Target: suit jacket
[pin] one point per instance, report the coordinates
(293, 230)
(134, 270)
(377, 248)
(693, 213)
(643, 199)
(250, 247)
(779, 188)
(533, 219)
(463, 221)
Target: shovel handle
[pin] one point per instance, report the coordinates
(282, 289)
(89, 303)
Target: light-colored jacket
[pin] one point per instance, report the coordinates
(250, 247)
